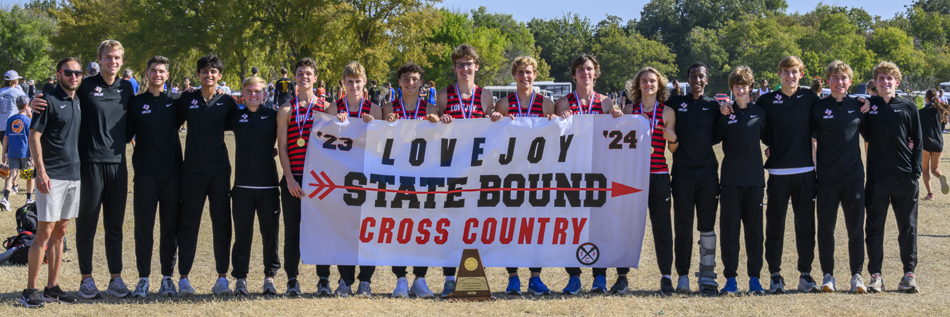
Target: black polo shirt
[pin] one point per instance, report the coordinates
(153, 122)
(59, 124)
(102, 133)
(789, 133)
(255, 136)
(741, 133)
(837, 126)
(205, 150)
(890, 126)
(695, 120)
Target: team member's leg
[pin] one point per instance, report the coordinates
(830, 193)
(514, 282)
(115, 193)
(245, 202)
(194, 189)
(86, 225)
(291, 206)
(449, 286)
(573, 282)
(752, 223)
(268, 218)
(169, 213)
(347, 277)
(779, 192)
(419, 287)
(684, 192)
(905, 212)
(803, 205)
(925, 165)
(933, 168)
(600, 280)
(730, 222)
(365, 277)
(852, 205)
(877, 201)
(219, 208)
(659, 208)
(144, 206)
(707, 193)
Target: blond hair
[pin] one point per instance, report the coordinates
(253, 80)
(113, 44)
(838, 67)
(741, 76)
(523, 61)
(354, 69)
(633, 86)
(887, 68)
(791, 61)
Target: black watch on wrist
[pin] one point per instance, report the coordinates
(677, 141)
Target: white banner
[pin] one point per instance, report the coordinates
(527, 192)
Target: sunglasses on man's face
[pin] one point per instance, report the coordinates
(71, 73)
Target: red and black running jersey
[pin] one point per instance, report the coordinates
(593, 108)
(658, 155)
(296, 153)
(403, 113)
(458, 108)
(341, 107)
(536, 109)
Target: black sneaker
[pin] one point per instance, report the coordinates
(666, 286)
(31, 298)
(55, 294)
(620, 286)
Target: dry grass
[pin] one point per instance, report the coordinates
(934, 235)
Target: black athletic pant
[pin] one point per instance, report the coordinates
(266, 203)
(449, 271)
(741, 207)
(161, 192)
(850, 194)
(692, 195)
(531, 269)
(418, 271)
(105, 185)
(348, 271)
(291, 207)
(800, 188)
(195, 186)
(901, 192)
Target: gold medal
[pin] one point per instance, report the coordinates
(301, 142)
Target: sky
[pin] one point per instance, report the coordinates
(596, 10)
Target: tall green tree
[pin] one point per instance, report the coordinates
(561, 40)
(622, 54)
(24, 42)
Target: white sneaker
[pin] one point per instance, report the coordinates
(141, 290)
(828, 283)
(343, 290)
(402, 288)
(117, 288)
(4, 204)
(221, 287)
(29, 201)
(877, 283)
(364, 290)
(682, 286)
(168, 287)
(420, 289)
(857, 285)
(184, 288)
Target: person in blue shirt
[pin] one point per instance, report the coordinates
(16, 149)
(129, 75)
(432, 93)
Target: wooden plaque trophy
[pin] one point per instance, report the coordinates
(470, 281)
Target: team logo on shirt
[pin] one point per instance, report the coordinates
(873, 109)
(146, 110)
(828, 114)
(194, 104)
(243, 118)
(98, 92)
(778, 99)
(682, 107)
(732, 118)
(17, 126)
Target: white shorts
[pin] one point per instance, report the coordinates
(61, 203)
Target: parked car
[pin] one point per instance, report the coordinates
(722, 98)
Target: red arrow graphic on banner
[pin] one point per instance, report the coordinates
(616, 189)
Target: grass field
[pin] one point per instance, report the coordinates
(933, 254)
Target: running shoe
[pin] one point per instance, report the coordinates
(420, 289)
(877, 283)
(806, 284)
(930, 196)
(293, 288)
(364, 290)
(620, 286)
(599, 285)
(117, 288)
(944, 187)
(184, 288)
(29, 201)
(221, 287)
(666, 286)
(168, 287)
(777, 284)
(514, 286)
(88, 290)
(536, 287)
(730, 289)
(755, 288)
(4, 204)
(682, 286)
(857, 285)
(323, 287)
(240, 288)
(908, 284)
(343, 290)
(402, 288)
(56, 295)
(573, 286)
(141, 289)
(828, 283)
(31, 298)
(448, 288)
(268, 288)
(16, 189)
